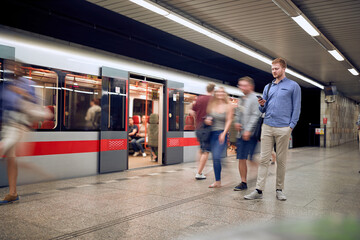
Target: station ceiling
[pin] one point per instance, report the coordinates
(123, 27)
(263, 26)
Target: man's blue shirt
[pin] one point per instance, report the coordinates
(283, 105)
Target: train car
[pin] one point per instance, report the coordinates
(74, 82)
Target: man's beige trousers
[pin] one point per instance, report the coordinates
(270, 136)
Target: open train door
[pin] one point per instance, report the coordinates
(175, 123)
(114, 117)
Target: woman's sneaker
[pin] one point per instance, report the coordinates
(9, 199)
(200, 176)
(136, 154)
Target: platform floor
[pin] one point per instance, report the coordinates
(166, 202)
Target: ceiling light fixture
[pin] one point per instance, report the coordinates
(336, 55)
(306, 25)
(353, 71)
(211, 34)
(151, 7)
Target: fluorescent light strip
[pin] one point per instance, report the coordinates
(353, 71)
(336, 55)
(222, 39)
(151, 7)
(308, 80)
(304, 24)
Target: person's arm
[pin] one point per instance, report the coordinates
(237, 122)
(262, 102)
(296, 101)
(88, 115)
(134, 131)
(254, 115)
(229, 118)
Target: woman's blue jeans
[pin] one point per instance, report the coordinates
(137, 144)
(217, 150)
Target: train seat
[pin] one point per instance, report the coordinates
(189, 123)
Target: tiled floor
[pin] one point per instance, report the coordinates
(166, 202)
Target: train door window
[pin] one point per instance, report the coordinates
(82, 94)
(117, 104)
(189, 100)
(174, 110)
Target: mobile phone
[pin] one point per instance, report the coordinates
(259, 97)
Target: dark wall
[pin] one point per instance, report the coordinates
(310, 115)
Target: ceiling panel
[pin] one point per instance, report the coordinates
(264, 26)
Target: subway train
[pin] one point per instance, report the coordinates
(70, 79)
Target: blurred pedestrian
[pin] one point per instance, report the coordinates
(246, 117)
(281, 106)
(198, 111)
(219, 117)
(20, 109)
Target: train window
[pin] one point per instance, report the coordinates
(117, 104)
(189, 99)
(45, 83)
(139, 107)
(82, 95)
(174, 110)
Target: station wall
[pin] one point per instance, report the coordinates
(341, 124)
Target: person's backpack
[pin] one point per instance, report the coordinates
(97, 119)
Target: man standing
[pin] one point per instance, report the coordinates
(281, 106)
(199, 111)
(246, 116)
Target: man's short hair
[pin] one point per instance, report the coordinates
(96, 101)
(210, 87)
(247, 79)
(281, 61)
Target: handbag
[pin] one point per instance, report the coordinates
(257, 131)
(203, 133)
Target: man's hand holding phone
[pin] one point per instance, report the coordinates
(261, 101)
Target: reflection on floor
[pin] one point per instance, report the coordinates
(140, 161)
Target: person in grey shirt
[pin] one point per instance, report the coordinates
(246, 117)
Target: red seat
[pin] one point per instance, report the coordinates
(189, 123)
(137, 120)
(48, 124)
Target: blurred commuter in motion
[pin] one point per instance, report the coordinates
(93, 115)
(219, 117)
(20, 110)
(140, 138)
(246, 117)
(198, 111)
(281, 106)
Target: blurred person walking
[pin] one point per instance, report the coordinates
(219, 117)
(281, 106)
(246, 117)
(198, 111)
(20, 109)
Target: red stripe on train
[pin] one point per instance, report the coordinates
(87, 146)
(182, 142)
